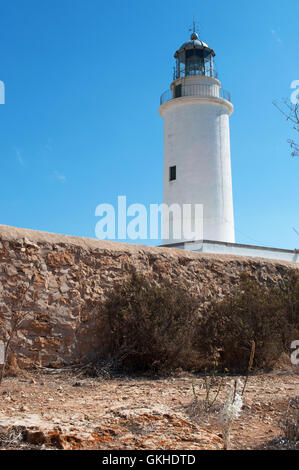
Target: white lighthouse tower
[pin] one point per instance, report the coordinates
(197, 166)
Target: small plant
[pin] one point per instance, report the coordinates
(231, 410)
(234, 401)
(211, 382)
(11, 438)
(290, 424)
(250, 364)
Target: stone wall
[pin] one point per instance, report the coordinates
(73, 273)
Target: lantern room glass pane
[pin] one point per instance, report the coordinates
(194, 62)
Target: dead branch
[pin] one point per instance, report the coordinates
(18, 316)
(291, 112)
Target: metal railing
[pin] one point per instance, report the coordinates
(191, 71)
(197, 91)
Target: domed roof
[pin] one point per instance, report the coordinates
(194, 43)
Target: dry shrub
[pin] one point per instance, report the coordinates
(269, 316)
(154, 325)
(290, 424)
(151, 327)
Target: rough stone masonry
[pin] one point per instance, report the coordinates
(73, 274)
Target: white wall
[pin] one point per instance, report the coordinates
(246, 250)
(205, 246)
(197, 142)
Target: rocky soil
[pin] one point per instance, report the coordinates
(64, 410)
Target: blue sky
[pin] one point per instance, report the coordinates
(80, 125)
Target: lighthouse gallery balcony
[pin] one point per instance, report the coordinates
(197, 90)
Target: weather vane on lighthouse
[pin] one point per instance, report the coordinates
(195, 28)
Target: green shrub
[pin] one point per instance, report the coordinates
(150, 326)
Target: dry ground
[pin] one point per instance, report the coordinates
(44, 410)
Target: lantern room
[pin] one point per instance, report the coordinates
(194, 58)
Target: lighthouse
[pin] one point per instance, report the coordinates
(197, 162)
